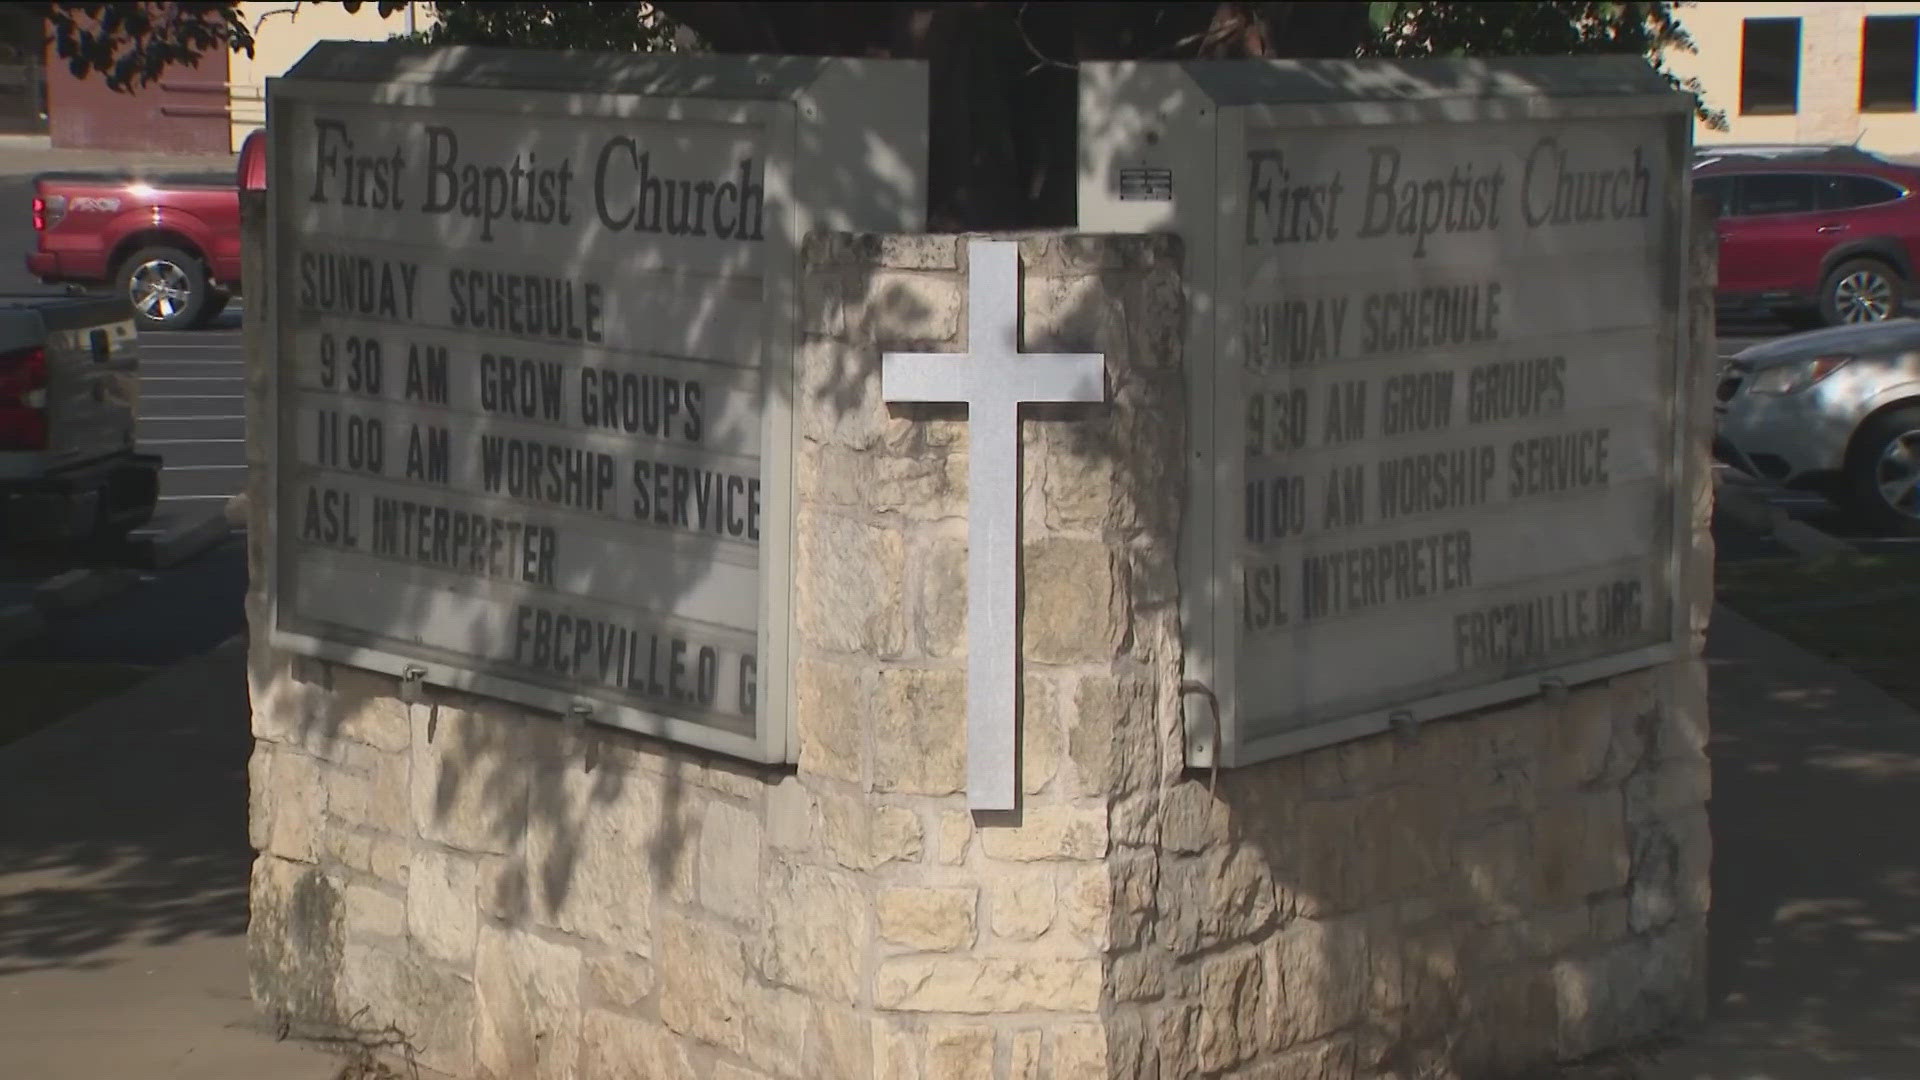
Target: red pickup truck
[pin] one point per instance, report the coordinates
(170, 244)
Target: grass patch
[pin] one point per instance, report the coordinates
(35, 693)
(1862, 611)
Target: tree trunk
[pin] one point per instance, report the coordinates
(1003, 115)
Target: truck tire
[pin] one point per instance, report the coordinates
(1883, 472)
(1861, 291)
(168, 288)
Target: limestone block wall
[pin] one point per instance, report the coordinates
(1506, 890)
(475, 885)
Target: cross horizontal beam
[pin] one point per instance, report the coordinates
(949, 378)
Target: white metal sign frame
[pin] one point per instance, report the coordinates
(1163, 148)
(768, 741)
(1214, 640)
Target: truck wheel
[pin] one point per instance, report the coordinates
(1861, 291)
(167, 286)
(1883, 472)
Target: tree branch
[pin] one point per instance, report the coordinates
(1026, 38)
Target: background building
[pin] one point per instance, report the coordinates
(1808, 72)
(22, 72)
(212, 106)
(283, 33)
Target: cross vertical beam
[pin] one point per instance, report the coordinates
(993, 379)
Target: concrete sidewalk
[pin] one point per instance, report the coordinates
(1814, 936)
(24, 155)
(123, 890)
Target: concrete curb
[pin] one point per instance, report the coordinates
(1745, 506)
(77, 589)
(25, 155)
(1749, 506)
(18, 622)
(1806, 541)
(179, 541)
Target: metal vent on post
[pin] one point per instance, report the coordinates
(1142, 184)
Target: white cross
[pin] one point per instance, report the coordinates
(993, 379)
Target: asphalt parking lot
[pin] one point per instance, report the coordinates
(190, 415)
(110, 607)
(193, 413)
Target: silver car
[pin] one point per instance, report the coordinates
(1833, 411)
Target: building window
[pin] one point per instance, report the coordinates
(1889, 45)
(1770, 67)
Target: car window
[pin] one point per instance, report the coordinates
(1847, 192)
(1776, 193)
(1717, 188)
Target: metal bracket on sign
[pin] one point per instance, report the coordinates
(578, 714)
(413, 681)
(1195, 686)
(413, 691)
(1554, 689)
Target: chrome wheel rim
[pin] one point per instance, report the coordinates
(159, 289)
(1863, 296)
(1898, 474)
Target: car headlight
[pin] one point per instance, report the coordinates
(1793, 378)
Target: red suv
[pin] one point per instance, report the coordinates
(1827, 231)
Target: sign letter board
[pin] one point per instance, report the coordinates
(533, 317)
(1435, 366)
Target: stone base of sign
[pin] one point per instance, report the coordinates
(479, 888)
